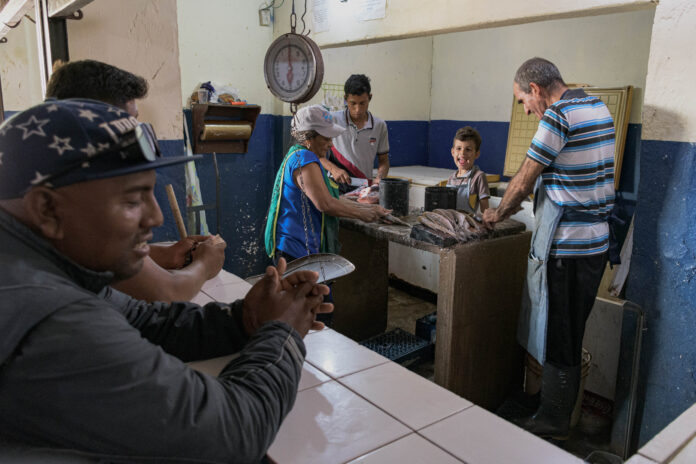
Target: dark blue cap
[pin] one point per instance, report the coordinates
(58, 143)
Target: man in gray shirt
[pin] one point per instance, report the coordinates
(87, 368)
(353, 152)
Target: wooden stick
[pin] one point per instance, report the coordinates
(175, 210)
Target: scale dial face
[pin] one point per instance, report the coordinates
(293, 68)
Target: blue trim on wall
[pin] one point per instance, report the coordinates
(493, 143)
(408, 143)
(663, 282)
(246, 180)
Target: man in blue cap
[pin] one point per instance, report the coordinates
(105, 374)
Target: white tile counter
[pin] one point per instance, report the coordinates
(478, 436)
(355, 406)
(675, 444)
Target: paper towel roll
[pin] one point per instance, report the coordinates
(226, 130)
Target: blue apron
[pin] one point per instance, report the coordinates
(534, 313)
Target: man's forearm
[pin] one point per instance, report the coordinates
(514, 195)
(154, 283)
(175, 414)
(383, 166)
(520, 187)
(177, 327)
(160, 254)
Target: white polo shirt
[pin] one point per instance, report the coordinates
(360, 146)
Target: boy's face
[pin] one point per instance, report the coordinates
(464, 154)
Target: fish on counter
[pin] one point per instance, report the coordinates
(368, 194)
(391, 219)
(456, 224)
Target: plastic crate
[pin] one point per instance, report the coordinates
(397, 345)
(425, 327)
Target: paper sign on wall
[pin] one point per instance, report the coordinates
(321, 16)
(372, 9)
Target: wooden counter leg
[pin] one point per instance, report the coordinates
(480, 290)
(361, 298)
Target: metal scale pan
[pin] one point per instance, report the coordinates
(329, 267)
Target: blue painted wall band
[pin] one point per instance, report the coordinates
(663, 282)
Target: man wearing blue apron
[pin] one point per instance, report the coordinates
(570, 167)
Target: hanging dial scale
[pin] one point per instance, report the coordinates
(293, 67)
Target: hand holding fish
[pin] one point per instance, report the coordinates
(372, 213)
(494, 215)
(491, 217)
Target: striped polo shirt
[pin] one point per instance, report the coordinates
(360, 146)
(575, 141)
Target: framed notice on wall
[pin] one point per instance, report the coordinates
(523, 128)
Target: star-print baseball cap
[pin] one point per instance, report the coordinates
(63, 142)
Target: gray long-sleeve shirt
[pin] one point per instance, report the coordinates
(85, 367)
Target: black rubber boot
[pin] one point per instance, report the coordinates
(519, 406)
(559, 391)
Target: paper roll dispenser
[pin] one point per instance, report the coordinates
(226, 130)
(222, 128)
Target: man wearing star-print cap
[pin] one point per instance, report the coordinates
(89, 369)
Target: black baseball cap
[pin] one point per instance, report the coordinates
(63, 142)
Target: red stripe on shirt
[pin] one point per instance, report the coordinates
(352, 169)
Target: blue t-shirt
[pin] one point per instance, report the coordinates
(290, 229)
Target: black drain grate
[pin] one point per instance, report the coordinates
(397, 345)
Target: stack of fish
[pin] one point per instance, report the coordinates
(461, 226)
